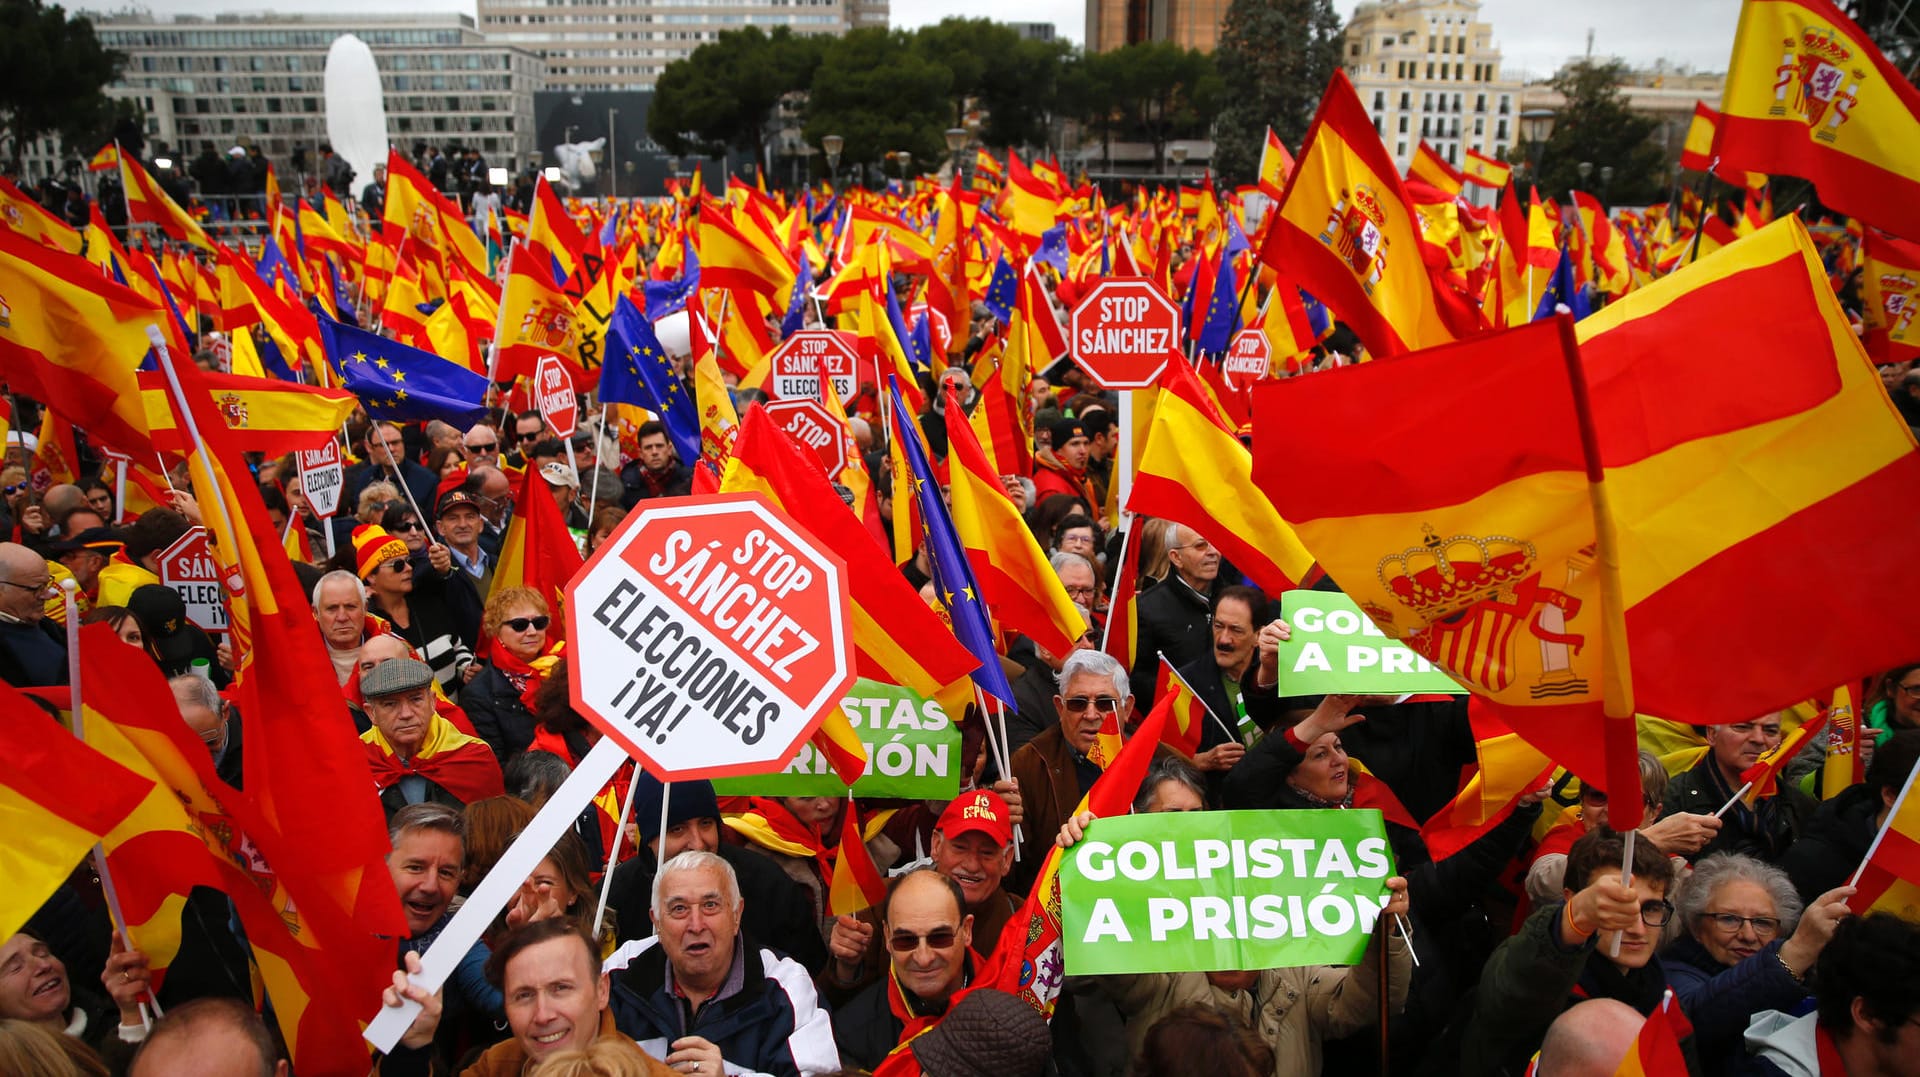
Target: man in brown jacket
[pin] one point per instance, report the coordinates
(1052, 770)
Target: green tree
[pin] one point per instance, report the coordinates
(1153, 91)
(53, 73)
(880, 93)
(724, 94)
(1015, 81)
(1277, 55)
(1594, 125)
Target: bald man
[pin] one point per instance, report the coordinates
(1590, 1039)
(209, 1037)
(32, 653)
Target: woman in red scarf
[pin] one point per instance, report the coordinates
(517, 658)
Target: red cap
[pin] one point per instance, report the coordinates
(981, 810)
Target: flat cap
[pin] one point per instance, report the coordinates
(394, 676)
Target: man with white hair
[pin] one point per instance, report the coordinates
(703, 997)
(1053, 770)
(213, 721)
(340, 605)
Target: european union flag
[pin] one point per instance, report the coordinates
(1053, 248)
(1236, 239)
(666, 296)
(1223, 311)
(637, 371)
(796, 317)
(897, 321)
(1002, 290)
(1561, 291)
(400, 383)
(1317, 316)
(920, 344)
(953, 578)
(273, 261)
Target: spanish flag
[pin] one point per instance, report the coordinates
(72, 339)
(1656, 1049)
(148, 204)
(1489, 562)
(730, 259)
(264, 415)
(1276, 164)
(49, 828)
(1508, 768)
(1890, 294)
(857, 883)
(1348, 234)
(1485, 171)
(1187, 712)
(1195, 472)
(23, 213)
(1433, 170)
(414, 208)
(1808, 94)
(459, 763)
(1018, 583)
(551, 234)
(536, 319)
(105, 159)
(1696, 154)
(1889, 877)
(1762, 779)
(538, 552)
(1028, 203)
(1844, 766)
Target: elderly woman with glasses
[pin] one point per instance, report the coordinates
(1747, 948)
(516, 657)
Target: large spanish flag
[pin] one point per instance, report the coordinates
(1195, 472)
(536, 318)
(730, 258)
(72, 339)
(414, 208)
(1016, 580)
(1347, 232)
(265, 415)
(1484, 558)
(1890, 296)
(147, 203)
(58, 798)
(1808, 94)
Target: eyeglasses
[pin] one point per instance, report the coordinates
(1076, 704)
(905, 942)
(40, 588)
(1202, 544)
(521, 624)
(1079, 592)
(410, 525)
(1764, 926)
(1912, 690)
(1656, 913)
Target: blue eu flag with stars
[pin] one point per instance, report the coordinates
(1002, 291)
(953, 578)
(637, 371)
(399, 383)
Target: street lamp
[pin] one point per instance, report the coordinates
(1586, 169)
(832, 145)
(905, 158)
(1536, 126)
(1606, 178)
(1179, 155)
(956, 140)
(613, 173)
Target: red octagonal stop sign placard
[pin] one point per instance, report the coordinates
(1248, 361)
(1123, 333)
(709, 636)
(553, 395)
(814, 427)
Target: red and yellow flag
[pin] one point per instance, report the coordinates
(1889, 877)
(49, 827)
(1186, 711)
(23, 213)
(1890, 296)
(730, 258)
(147, 203)
(1656, 1049)
(1195, 472)
(857, 883)
(105, 159)
(1276, 164)
(536, 319)
(1016, 580)
(1762, 779)
(1808, 94)
(1485, 171)
(1508, 768)
(538, 552)
(414, 208)
(1697, 152)
(1844, 766)
(1348, 234)
(1433, 170)
(264, 415)
(72, 339)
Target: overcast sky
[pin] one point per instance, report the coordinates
(1534, 37)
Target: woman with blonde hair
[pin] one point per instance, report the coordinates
(31, 1049)
(514, 644)
(601, 1058)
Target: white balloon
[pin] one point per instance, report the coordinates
(675, 333)
(356, 112)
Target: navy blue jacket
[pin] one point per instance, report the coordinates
(773, 1025)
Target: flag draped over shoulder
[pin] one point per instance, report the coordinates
(1347, 233)
(1808, 94)
(459, 763)
(72, 339)
(1195, 472)
(58, 798)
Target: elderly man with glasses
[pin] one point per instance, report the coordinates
(32, 652)
(387, 460)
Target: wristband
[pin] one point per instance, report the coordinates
(1798, 977)
(1573, 926)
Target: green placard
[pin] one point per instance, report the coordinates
(1336, 648)
(1211, 891)
(913, 751)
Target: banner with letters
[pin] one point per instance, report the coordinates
(1213, 891)
(913, 752)
(1337, 648)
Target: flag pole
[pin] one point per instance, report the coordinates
(1892, 814)
(666, 798)
(1736, 799)
(613, 857)
(69, 589)
(1217, 720)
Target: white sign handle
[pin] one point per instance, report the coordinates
(494, 891)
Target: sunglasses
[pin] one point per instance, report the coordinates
(491, 446)
(902, 942)
(1076, 704)
(410, 525)
(521, 624)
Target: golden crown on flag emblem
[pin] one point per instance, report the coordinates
(1823, 45)
(1440, 575)
(1368, 202)
(1897, 282)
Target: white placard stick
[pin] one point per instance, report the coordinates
(534, 843)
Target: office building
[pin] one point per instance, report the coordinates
(1191, 24)
(1429, 69)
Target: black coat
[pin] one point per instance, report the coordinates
(1834, 842)
(1175, 619)
(634, 488)
(32, 655)
(778, 912)
(493, 705)
(1763, 832)
(1416, 748)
